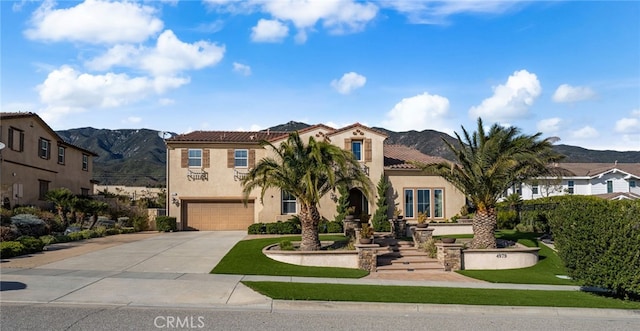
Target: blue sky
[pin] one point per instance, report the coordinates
(569, 69)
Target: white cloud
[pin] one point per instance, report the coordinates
(437, 12)
(349, 82)
(94, 22)
(549, 125)
(242, 69)
(511, 100)
(132, 120)
(568, 93)
(629, 124)
(269, 31)
(166, 102)
(586, 132)
(420, 112)
(67, 89)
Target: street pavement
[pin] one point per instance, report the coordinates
(172, 270)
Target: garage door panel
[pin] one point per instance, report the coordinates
(219, 215)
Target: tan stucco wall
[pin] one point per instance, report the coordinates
(407, 179)
(27, 167)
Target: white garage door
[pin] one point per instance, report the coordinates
(219, 215)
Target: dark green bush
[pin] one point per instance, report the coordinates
(11, 248)
(599, 241)
(31, 244)
(111, 231)
(272, 228)
(88, 234)
(75, 236)
(166, 224)
(287, 227)
(127, 230)
(29, 225)
(286, 245)
(140, 223)
(507, 219)
(48, 239)
(63, 238)
(334, 227)
(257, 228)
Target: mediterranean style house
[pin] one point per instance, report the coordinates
(35, 160)
(605, 180)
(205, 168)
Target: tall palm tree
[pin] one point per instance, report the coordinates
(308, 172)
(487, 164)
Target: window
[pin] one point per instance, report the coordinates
(632, 183)
(195, 158)
(44, 188)
(570, 185)
(84, 192)
(437, 204)
(241, 158)
(609, 186)
(61, 155)
(85, 162)
(44, 150)
(288, 203)
(408, 203)
(356, 148)
(534, 189)
(424, 202)
(16, 139)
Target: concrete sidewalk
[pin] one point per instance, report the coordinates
(172, 270)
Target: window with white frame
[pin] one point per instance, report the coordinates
(570, 186)
(534, 189)
(609, 186)
(85, 162)
(45, 148)
(61, 151)
(429, 201)
(288, 203)
(241, 158)
(423, 201)
(356, 148)
(408, 203)
(194, 158)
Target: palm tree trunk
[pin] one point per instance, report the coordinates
(484, 229)
(309, 219)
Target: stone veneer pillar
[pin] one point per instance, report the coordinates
(351, 227)
(367, 256)
(450, 255)
(421, 235)
(399, 228)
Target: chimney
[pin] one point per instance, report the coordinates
(268, 130)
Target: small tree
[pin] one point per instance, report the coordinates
(343, 203)
(380, 217)
(62, 199)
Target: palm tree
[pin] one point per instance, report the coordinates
(62, 199)
(308, 172)
(487, 164)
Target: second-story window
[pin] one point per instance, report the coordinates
(241, 158)
(45, 148)
(195, 158)
(16, 139)
(356, 148)
(85, 162)
(61, 155)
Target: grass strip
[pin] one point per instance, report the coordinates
(436, 295)
(246, 258)
(544, 272)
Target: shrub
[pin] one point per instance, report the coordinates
(127, 230)
(5, 217)
(507, 219)
(256, 228)
(63, 238)
(88, 234)
(598, 241)
(31, 244)
(286, 245)
(101, 231)
(287, 228)
(54, 225)
(125, 222)
(140, 223)
(272, 228)
(48, 239)
(166, 224)
(11, 248)
(334, 227)
(29, 225)
(8, 233)
(111, 231)
(26, 210)
(75, 236)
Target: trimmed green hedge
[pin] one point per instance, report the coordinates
(11, 248)
(598, 240)
(292, 227)
(166, 224)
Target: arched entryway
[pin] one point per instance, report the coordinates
(358, 200)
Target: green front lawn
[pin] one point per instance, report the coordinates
(436, 295)
(544, 272)
(246, 258)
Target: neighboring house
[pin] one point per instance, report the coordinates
(35, 160)
(606, 180)
(204, 170)
(133, 192)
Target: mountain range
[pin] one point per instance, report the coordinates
(137, 157)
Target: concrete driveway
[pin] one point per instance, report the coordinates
(168, 269)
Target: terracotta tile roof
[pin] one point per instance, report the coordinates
(594, 169)
(355, 125)
(398, 157)
(284, 135)
(8, 115)
(227, 136)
